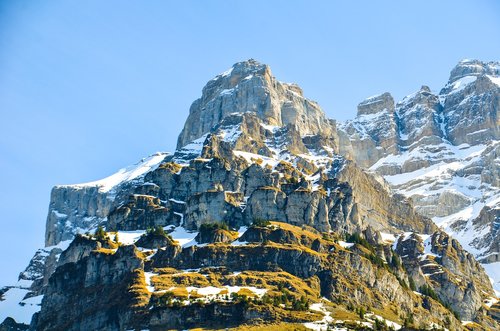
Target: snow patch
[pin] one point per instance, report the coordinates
(126, 174)
(345, 244)
(16, 307)
(128, 237)
(184, 237)
(147, 278)
(493, 270)
(462, 83)
(494, 79)
(322, 324)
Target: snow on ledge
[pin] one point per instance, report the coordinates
(494, 79)
(125, 174)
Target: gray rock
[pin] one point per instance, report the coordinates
(437, 131)
(250, 87)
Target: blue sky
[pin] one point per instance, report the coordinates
(88, 87)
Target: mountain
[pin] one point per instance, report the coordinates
(270, 213)
(442, 151)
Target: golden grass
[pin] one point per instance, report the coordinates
(273, 281)
(165, 281)
(389, 313)
(138, 288)
(262, 327)
(271, 327)
(247, 292)
(165, 271)
(344, 315)
(269, 188)
(473, 326)
(180, 292)
(106, 251)
(171, 166)
(176, 292)
(231, 234)
(195, 295)
(299, 231)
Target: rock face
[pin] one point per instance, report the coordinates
(274, 255)
(377, 119)
(434, 258)
(250, 87)
(9, 324)
(255, 152)
(93, 310)
(444, 152)
(78, 208)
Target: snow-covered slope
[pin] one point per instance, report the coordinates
(126, 174)
(82, 207)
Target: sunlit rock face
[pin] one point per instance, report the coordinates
(445, 155)
(250, 87)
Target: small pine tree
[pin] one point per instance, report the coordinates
(408, 321)
(429, 291)
(258, 222)
(156, 231)
(413, 287)
(361, 312)
(100, 234)
(395, 263)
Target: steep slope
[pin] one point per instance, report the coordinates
(265, 221)
(443, 153)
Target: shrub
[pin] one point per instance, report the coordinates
(100, 234)
(357, 239)
(413, 287)
(408, 320)
(260, 222)
(209, 227)
(395, 261)
(361, 312)
(429, 291)
(301, 305)
(156, 231)
(378, 261)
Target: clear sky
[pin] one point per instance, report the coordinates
(88, 87)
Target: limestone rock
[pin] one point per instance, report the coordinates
(445, 156)
(250, 87)
(140, 212)
(94, 312)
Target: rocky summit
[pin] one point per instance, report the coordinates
(269, 215)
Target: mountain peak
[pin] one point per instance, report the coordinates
(249, 86)
(468, 67)
(376, 104)
(242, 69)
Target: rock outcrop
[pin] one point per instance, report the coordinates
(250, 87)
(91, 276)
(156, 291)
(445, 152)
